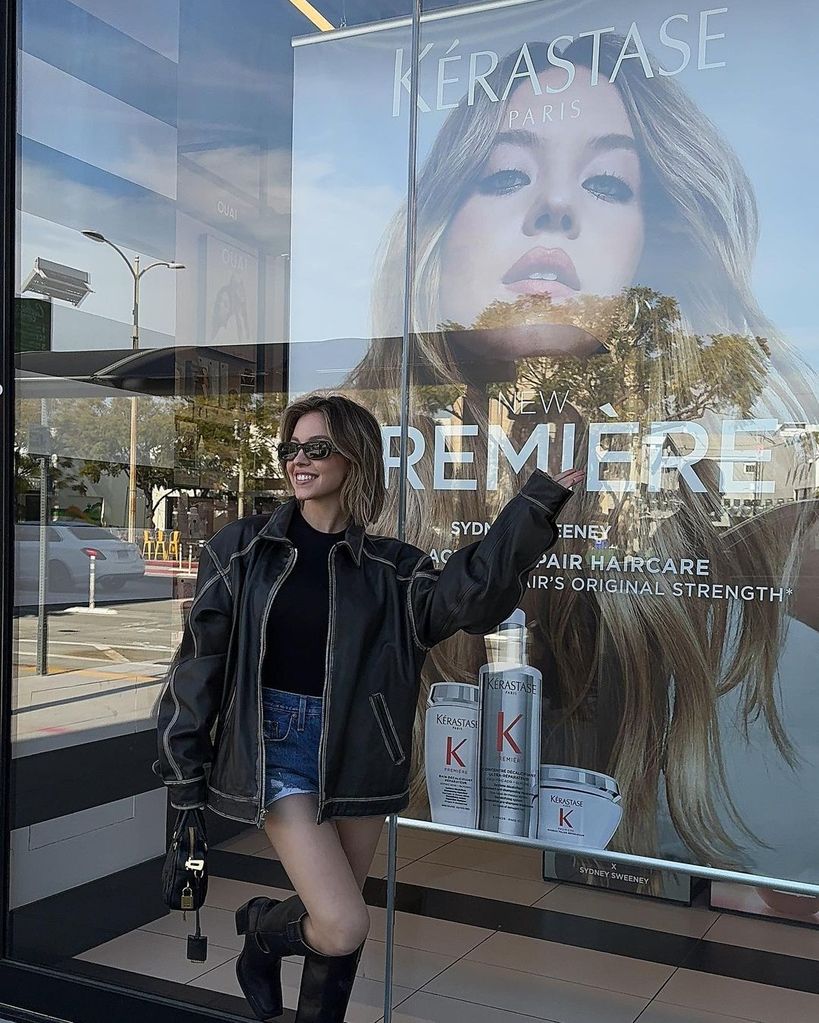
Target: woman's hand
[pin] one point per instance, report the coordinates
(570, 478)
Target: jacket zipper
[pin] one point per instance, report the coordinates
(325, 710)
(273, 591)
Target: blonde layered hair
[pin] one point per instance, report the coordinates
(635, 684)
(356, 434)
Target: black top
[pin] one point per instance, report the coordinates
(297, 627)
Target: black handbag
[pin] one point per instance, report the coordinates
(185, 875)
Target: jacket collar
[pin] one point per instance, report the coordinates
(279, 522)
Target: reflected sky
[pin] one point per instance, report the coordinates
(167, 128)
(345, 89)
(173, 133)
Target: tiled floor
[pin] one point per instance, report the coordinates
(694, 921)
(462, 973)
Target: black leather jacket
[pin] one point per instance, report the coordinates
(388, 606)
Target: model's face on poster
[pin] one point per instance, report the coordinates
(556, 209)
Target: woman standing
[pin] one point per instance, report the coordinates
(304, 648)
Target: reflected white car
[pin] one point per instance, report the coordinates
(69, 550)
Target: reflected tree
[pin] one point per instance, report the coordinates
(642, 340)
(182, 443)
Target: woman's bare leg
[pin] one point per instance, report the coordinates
(317, 864)
(359, 839)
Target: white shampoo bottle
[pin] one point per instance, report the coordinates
(451, 754)
(510, 703)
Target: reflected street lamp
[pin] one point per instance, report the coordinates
(56, 280)
(137, 275)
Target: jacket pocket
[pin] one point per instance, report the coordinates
(387, 726)
(230, 708)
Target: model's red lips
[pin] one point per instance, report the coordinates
(540, 266)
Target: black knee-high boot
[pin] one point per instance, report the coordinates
(272, 930)
(326, 985)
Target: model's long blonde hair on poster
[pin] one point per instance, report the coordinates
(636, 682)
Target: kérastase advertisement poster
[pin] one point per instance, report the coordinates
(614, 269)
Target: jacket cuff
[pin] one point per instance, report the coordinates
(188, 795)
(549, 494)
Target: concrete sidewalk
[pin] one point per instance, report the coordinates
(84, 705)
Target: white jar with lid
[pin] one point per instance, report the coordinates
(578, 808)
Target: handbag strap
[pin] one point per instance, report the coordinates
(191, 821)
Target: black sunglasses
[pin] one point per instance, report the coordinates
(315, 450)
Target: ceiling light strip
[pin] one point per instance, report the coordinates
(310, 12)
(406, 22)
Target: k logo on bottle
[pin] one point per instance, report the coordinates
(452, 752)
(503, 733)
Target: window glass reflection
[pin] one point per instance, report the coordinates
(153, 364)
(592, 286)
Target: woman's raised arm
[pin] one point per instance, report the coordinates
(482, 583)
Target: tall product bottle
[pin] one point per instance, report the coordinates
(451, 754)
(510, 701)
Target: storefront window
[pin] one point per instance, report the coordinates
(525, 235)
(160, 240)
(590, 287)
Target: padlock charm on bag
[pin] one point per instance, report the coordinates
(187, 898)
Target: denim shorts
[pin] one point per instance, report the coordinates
(292, 730)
